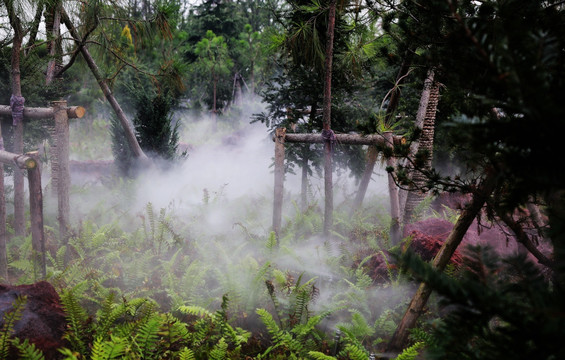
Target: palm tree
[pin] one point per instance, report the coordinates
(425, 121)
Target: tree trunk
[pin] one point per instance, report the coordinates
(279, 180)
(485, 188)
(304, 182)
(36, 215)
(372, 155)
(63, 173)
(129, 133)
(3, 232)
(390, 110)
(305, 155)
(425, 120)
(54, 24)
(328, 168)
(214, 111)
(395, 234)
(35, 26)
(17, 101)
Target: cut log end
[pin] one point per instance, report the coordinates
(76, 112)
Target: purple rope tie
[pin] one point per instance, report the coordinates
(17, 106)
(329, 135)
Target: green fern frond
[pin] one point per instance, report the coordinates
(10, 319)
(269, 322)
(107, 350)
(186, 354)
(354, 352)
(195, 310)
(279, 277)
(411, 352)
(148, 336)
(316, 355)
(76, 321)
(27, 350)
(107, 315)
(271, 242)
(69, 354)
(220, 350)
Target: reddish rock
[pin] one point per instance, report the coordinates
(43, 319)
(435, 227)
(382, 264)
(428, 246)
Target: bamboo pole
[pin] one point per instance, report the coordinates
(279, 180)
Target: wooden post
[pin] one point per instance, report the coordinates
(31, 163)
(62, 169)
(3, 232)
(395, 235)
(60, 161)
(36, 215)
(279, 139)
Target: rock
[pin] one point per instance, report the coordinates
(381, 264)
(43, 320)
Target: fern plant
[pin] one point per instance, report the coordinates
(212, 334)
(10, 319)
(27, 350)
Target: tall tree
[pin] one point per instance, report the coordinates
(421, 150)
(214, 61)
(17, 104)
(327, 132)
(485, 60)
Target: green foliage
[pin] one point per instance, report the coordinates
(10, 319)
(123, 154)
(295, 342)
(316, 355)
(501, 309)
(411, 352)
(27, 350)
(156, 132)
(212, 335)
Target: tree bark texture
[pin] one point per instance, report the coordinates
(279, 180)
(3, 232)
(63, 173)
(347, 139)
(395, 234)
(36, 215)
(304, 182)
(42, 113)
(372, 155)
(327, 125)
(483, 191)
(390, 110)
(54, 45)
(19, 195)
(425, 120)
(129, 133)
(31, 163)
